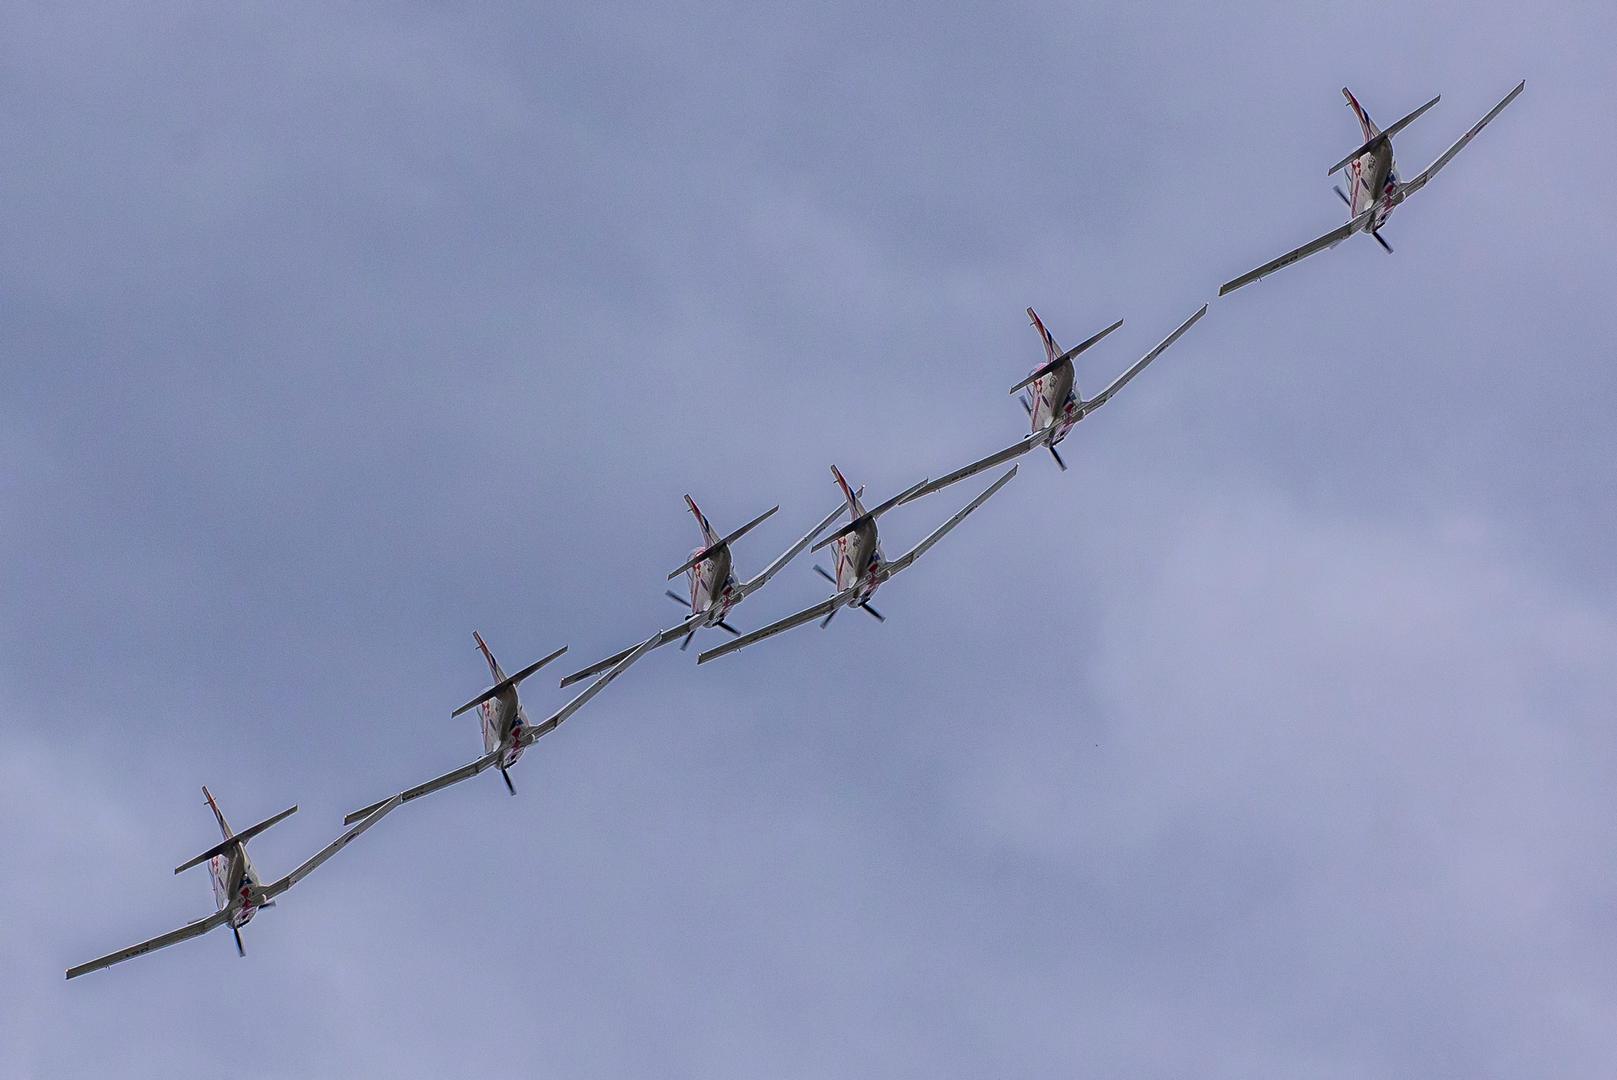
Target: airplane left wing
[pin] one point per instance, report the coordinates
(904, 561)
(818, 611)
(1329, 240)
(162, 941)
(1420, 181)
(275, 889)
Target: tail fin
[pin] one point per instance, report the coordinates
(493, 664)
(224, 826)
(709, 537)
(1369, 125)
(1051, 349)
(854, 507)
(231, 840)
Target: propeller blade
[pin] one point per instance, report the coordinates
(1057, 456)
(676, 598)
(1340, 194)
(512, 788)
(687, 642)
(727, 627)
(823, 573)
(829, 616)
(240, 951)
(1026, 404)
(1385, 246)
(872, 611)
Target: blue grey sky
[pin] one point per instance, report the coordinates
(1272, 740)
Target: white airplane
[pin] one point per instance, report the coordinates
(860, 568)
(714, 589)
(238, 891)
(1377, 191)
(506, 731)
(1056, 405)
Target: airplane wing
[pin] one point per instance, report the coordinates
(162, 941)
(533, 732)
(746, 588)
(1330, 239)
(818, 611)
(1419, 182)
(1015, 450)
(275, 889)
(437, 783)
(903, 562)
(1122, 380)
(673, 633)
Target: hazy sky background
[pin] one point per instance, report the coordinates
(1275, 739)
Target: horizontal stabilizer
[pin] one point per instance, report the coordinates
(1041, 372)
(1376, 142)
(237, 838)
(501, 687)
(871, 515)
(716, 545)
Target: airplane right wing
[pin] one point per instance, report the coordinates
(162, 941)
(818, 611)
(663, 637)
(313, 863)
(1139, 365)
(748, 587)
(1015, 450)
(1420, 181)
(903, 562)
(1329, 240)
(437, 783)
(534, 731)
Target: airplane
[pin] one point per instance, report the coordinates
(506, 731)
(238, 892)
(714, 590)
(1056, 406)
(861, 570)
(1377, 191)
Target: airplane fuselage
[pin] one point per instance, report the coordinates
(502, 717)
(1374, 182)
(713, 586)
(858, 560)
(235, 885)
(1055, 398)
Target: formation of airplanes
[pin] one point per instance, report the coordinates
(1054, 406)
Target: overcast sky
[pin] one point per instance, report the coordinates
(1272, 740)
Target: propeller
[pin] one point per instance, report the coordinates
(872, 611)
(824, 573)
(1026, 404)
(1057, 456)
(829, 616)
(676, 598)
(508, 785)
(1340, 194)
(240, 951)
(687, 642)
(727, 628)
(1384, 245)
